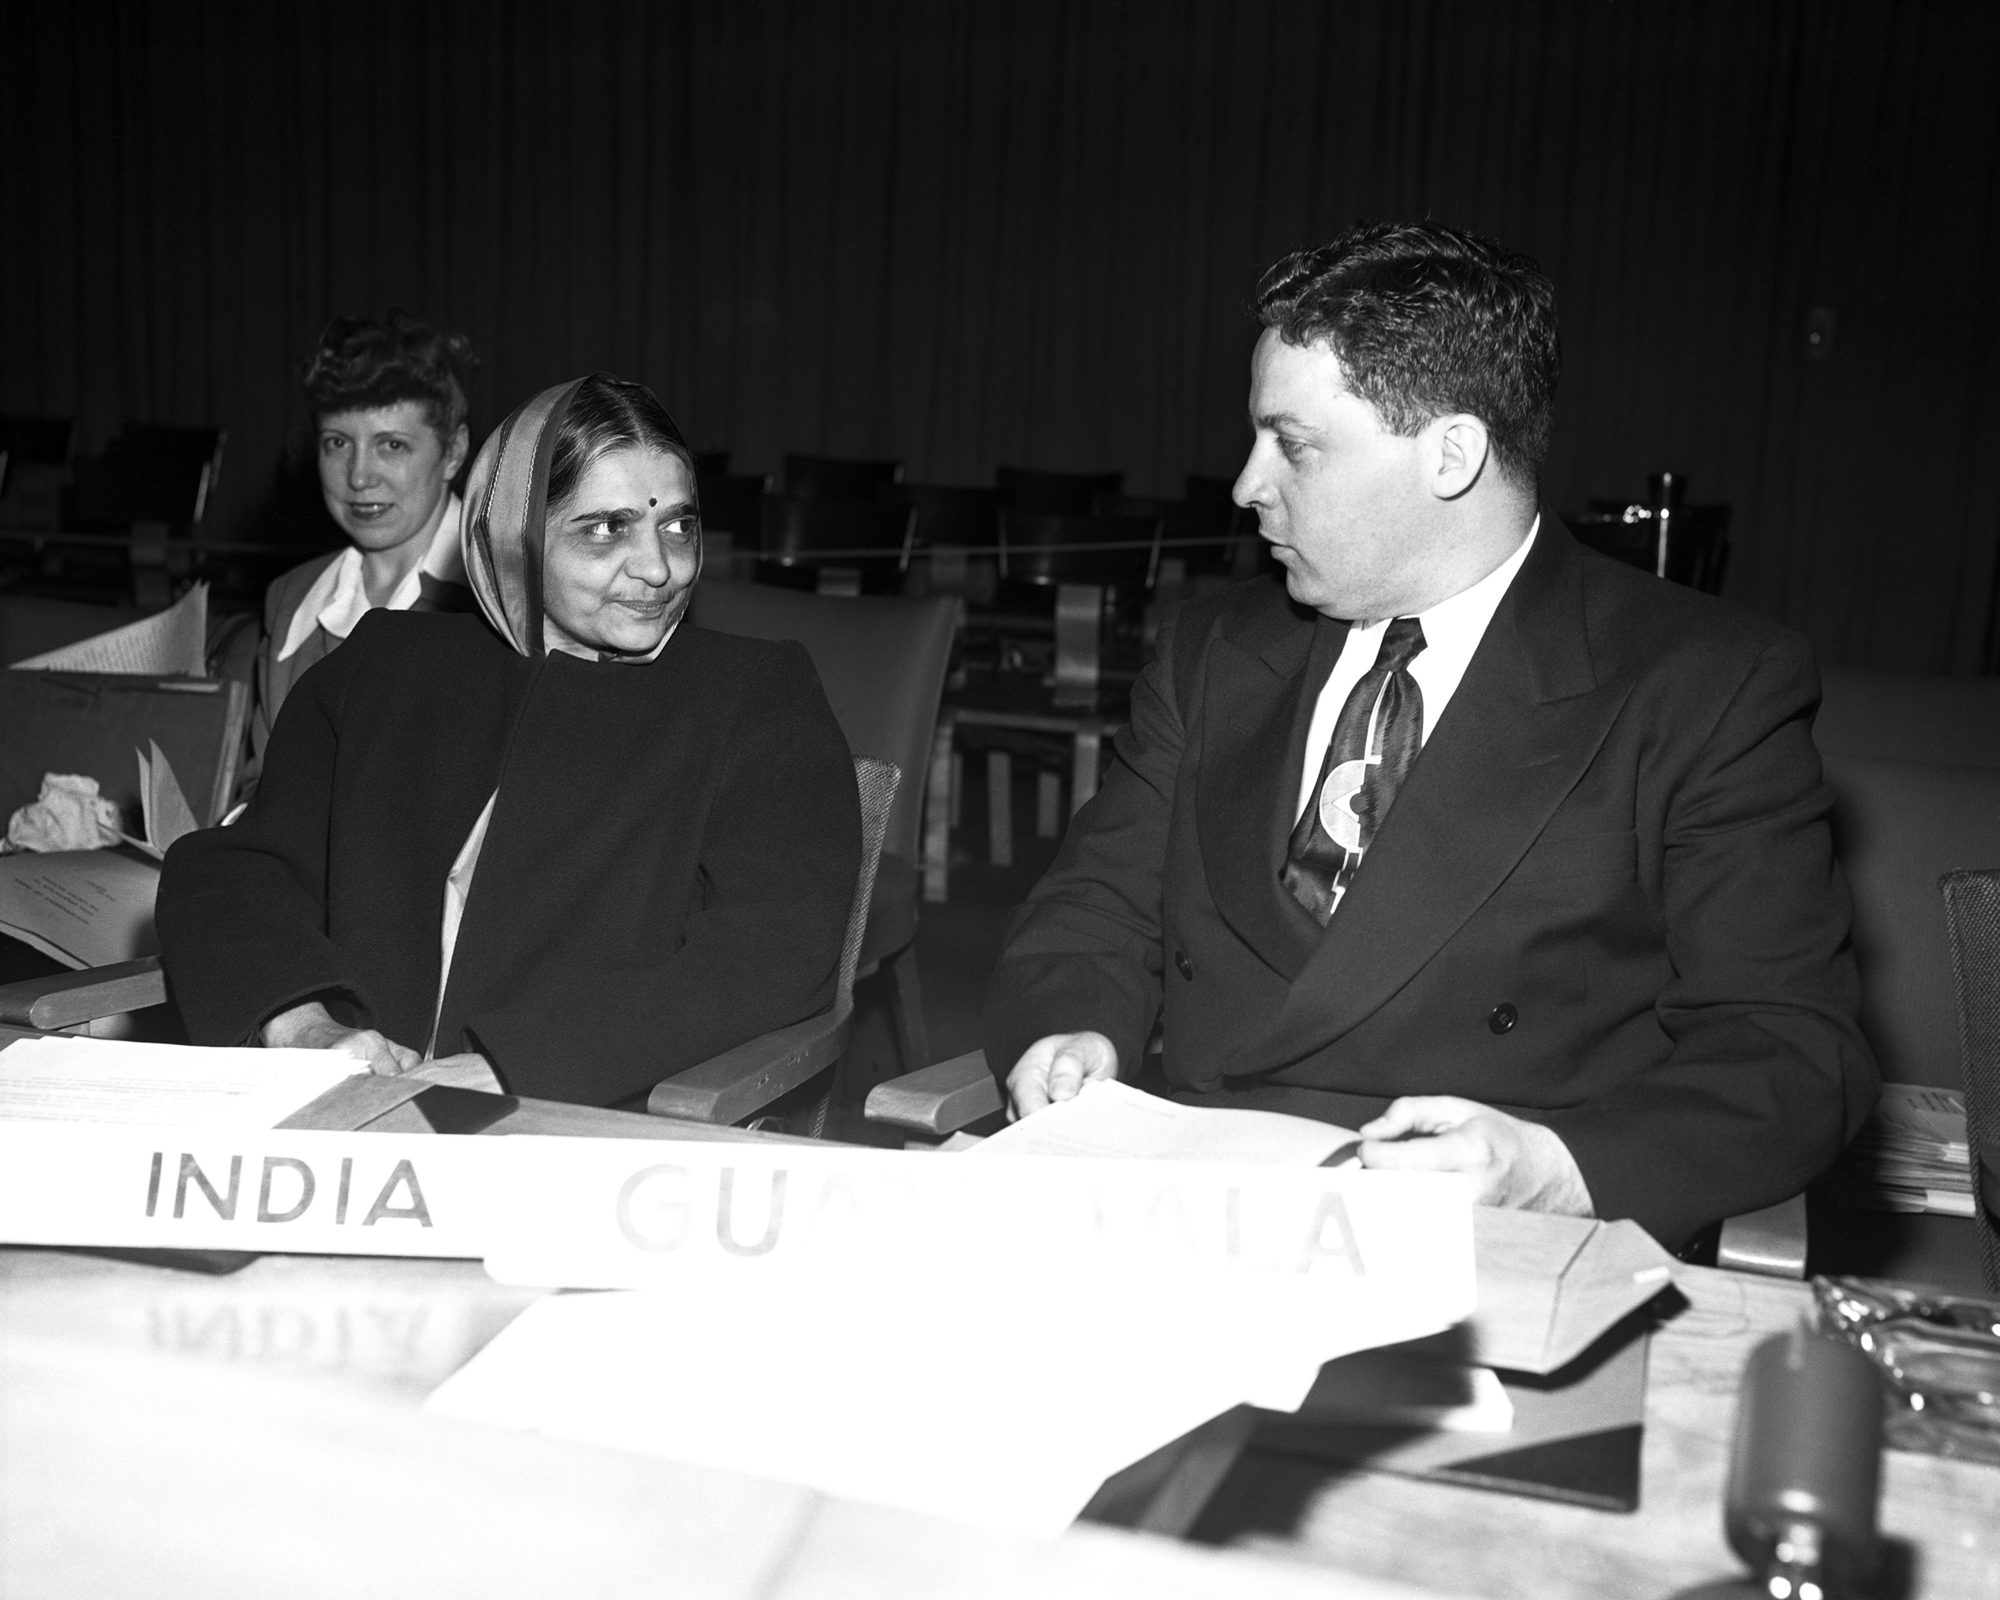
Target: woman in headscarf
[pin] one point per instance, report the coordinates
(568, 847)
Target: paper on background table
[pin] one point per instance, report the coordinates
(161, 1085)
(85, 908)
(173, 643)
(1113, 1119)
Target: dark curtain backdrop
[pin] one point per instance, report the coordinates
(1025, 231)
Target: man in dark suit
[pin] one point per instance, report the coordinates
(1511, 857)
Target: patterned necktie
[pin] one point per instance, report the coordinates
(1374, 745)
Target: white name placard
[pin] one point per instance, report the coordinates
(272, 1190)
(614, 1213)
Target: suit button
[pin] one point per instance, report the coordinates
(1184, 966)
(1501, 1018)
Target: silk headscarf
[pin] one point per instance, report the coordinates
(507, 511)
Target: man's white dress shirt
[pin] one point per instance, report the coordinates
(1452, 631)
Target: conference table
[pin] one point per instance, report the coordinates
(259, 1431)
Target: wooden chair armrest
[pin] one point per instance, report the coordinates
(938, 1099)
(739, 1083)
(64, 999)
(1771, 1241)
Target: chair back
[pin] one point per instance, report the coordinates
(1898, 827)
(1054, 493)
(150, 473)
(877, 782)
(881, 662)
(1914, 763)
(951, 514)
(1972, 915)
(833, 478)
(1046, 548)
(1902, 716)
(731, 503)
(798, 530)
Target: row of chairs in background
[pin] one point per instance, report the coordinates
(849, 526)
(120, 523)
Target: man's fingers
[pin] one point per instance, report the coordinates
(1065, 1074)
(1445, 1152)
(1420, 1113)
(1056, 1068)
(1027, 1093)
(1028, 1083)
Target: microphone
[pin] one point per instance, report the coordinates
(1804, 1471)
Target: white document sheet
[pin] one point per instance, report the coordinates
(1113, 1119)
(164, 1085)
(86, 908)
(980, 1340)
(171, 644)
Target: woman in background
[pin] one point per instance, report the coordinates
(387, 397)
(569, 847)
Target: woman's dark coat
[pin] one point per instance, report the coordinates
(667, 872)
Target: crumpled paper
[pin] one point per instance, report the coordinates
(68, 815)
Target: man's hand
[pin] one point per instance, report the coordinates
(470, 1070)
(1511, 1162)
(308, 1027)
(1055, 1068)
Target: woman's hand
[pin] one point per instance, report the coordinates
(468, 1071)
(308, 1027)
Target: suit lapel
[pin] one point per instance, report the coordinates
(1522, 728)
(1262, 674)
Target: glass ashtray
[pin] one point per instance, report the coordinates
(1940, 1354)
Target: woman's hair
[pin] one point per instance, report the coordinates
(362, 363)
(607, 414)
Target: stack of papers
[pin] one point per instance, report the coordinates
(162, 1085)
(1911, 1155)
(984, 1340)
(1108, 1118)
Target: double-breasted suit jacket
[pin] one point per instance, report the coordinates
(1604, 899)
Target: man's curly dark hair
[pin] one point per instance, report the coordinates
(1427, 321)
(362, 363)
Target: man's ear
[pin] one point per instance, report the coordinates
(1459, 448)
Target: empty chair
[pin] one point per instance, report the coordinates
(1054, 493)
(34, 469)
(1914, 764)
(731, 503)
(150, 473)
(951, 513)
(1196, 533)
(1047, 549)
(842, 543)
(1972, 913)
(833, 478)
